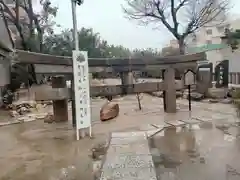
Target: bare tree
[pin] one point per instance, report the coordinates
(180, 17)
(32, 26)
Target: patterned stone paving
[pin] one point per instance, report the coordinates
(128, 158)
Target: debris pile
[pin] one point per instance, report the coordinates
(21, 108)
(28, 111)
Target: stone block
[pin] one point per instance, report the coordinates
(52, 94)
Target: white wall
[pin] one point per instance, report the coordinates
(214, 57)
(234, 59)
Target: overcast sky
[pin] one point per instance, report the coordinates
(107, 18)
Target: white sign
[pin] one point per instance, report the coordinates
(82, 90)
(189, 78)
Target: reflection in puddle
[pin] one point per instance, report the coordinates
(177, 145)
(206, 125)
(199, 148)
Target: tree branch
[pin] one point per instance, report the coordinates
(6, 25)
(16, 23)
(174, 15)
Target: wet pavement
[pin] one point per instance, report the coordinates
(184, 151)
(199, 151)
(208, 149)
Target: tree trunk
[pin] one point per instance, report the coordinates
(181, 46)
(181, 51)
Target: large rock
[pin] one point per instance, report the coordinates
(109, 111)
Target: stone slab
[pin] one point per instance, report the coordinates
(127, 161)
(129, 174)
(128, 158)
(160, 126)
(191, 121)
(137, 148)
(146, 127)
(203, 119)
(128, 134)
(119, 141)
(175, 123)
(154, 132)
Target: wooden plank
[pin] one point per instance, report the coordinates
(37, 58)
(112, 90)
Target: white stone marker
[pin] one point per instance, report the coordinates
(82, 91)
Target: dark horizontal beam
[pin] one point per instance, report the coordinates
(62, 69)
(108, 90)
(37, 58)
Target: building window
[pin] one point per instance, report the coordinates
(209, 31)
(209, 42)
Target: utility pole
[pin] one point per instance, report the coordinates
(74, 18)
(76, 46)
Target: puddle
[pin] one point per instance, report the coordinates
(197, 151)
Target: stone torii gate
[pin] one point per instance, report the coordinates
(61, 65)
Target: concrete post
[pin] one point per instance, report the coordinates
(126, 78)
(238, 78)
(170, 90)
(60, 107)
(234, 78)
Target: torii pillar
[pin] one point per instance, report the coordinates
(170, 90)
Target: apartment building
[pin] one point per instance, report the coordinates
(209, 39)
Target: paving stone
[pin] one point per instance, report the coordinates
(128, 158)
(203, 119)
(191, 121)
(128, 161)
(160, 126)
(130, 140)
(159, 134)
(153, 132)
(147, 127)
(175, 123)
(137, 148)
(128, 134)
(129, 174)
